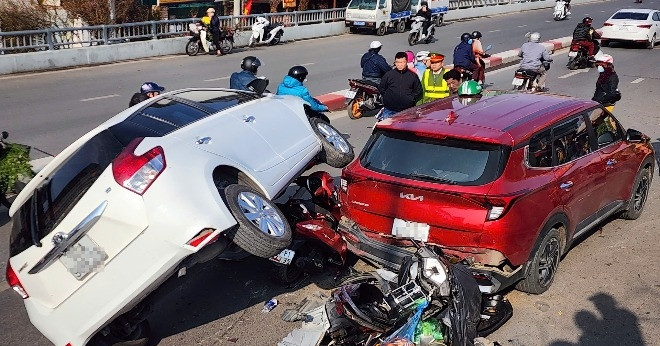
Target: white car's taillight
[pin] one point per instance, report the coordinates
(137, 173)
(14, 282)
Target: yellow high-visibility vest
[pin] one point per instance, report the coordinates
(432, 91)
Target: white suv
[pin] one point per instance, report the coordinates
(165, 184)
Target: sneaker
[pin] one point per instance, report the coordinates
(568, 13)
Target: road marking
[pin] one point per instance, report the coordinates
(215, 79)
(99, 98)
(307, 64)
(522, 26)
(495, 30)
(548, 21)
(637, 80)
(573, 73)
(602, 11)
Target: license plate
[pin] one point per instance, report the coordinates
(350, 94)
(517, 81)
(359, 23)
(83, 258)
(625, 28)
(409, 229)
(572, 54)
(285, 257)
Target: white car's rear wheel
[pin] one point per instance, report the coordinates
(336, 152)
(262, 229)
(139, 337)
(651, 43)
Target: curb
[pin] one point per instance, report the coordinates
(336, 101)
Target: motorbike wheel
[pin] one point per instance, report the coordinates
(428, 39)
(276, 39)
(412, 38)
(252, 234)
(336, 152)
(287, 274)
(573, 64)
(401, 26)
(226, 46)
(557, 17)
(139, 337)
(353, 108)
(192, 48)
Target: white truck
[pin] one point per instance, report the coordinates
(379, 15)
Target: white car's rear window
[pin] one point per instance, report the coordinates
(631, 15)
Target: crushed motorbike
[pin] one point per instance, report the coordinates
(528, 79)
(416, 31)
(362, 99)
(313, 212)
(264, 32)
(14, 165)
(560, 11)
(195, 45)
(578, 57)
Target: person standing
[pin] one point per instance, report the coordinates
(423, 62)
(607, 84)
(373, 64)
(434, 86)
(400, 88)
(215, 30)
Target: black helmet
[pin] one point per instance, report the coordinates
(465, 37)
(424, 3)
(587, 20)
(250, 63)
(298, 72)
(476, 34)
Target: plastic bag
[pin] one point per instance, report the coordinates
(407, 331)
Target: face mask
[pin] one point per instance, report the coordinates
(601, 69)
(470, 41)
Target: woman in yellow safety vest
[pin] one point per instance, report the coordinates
(434, 86)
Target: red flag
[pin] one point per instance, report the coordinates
(248, 7)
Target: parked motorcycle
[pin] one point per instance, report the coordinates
(195, 46)
(560, 12)
(313, 212)
(578, 57)
(263, 32)
(416, 31)
(363, 99)
(528, 79)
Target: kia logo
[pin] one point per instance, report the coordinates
(411, 197)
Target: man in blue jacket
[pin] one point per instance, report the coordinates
(463, 54)
(240, 80)
(374, 65)
(293, 85)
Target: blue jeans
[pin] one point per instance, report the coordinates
(386, 113)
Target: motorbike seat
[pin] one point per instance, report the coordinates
(368, 82)
(527, 73)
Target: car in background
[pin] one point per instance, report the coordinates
(168, 183)
(505, 184)
(632, 25)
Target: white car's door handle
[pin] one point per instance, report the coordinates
(203, 140)
(248, 118)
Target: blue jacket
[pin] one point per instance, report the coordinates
(240, 80)
(420, 67)
(463, 55)
(292, 86)
(374, 65)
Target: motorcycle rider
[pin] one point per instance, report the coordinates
(585, 35)
(240, 80)
(568, 7)
(293, 85)
(479, 54)
(423, 62)
(463, 53)
(374, 65)
(434, 86)
(262, 31)
(426, 13)
(147, 91)
(533, 54)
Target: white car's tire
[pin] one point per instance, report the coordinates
(336, 152)
(140, 337)
(262, 229)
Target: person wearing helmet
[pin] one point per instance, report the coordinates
(425, 12)
(607, 84)
(400, 88)
(469, 92)
(567, 5)
(423, 62)
(293, 85)
(434, 86)
(374, 65)
(585, 35)
(479, 54)
(463, 53)
(147, 91)
(533, 55)
(206, 25)
(240, 80)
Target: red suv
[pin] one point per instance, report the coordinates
(504, 184)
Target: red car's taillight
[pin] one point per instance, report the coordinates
(14, 282)
(644, 26)
(137, 173)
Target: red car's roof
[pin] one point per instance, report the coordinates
(498, 117)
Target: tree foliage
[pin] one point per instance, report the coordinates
(17, 15)
(95, 12)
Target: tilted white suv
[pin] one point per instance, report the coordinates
(163, 185)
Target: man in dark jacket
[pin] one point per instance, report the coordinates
(373, 64)
(585, 35)
(463, 53)
(248, 73)
(400, 88)
(215, 31)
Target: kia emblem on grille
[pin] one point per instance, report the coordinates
(411, 197)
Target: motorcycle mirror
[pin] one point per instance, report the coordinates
(5, 134)
(258, 86)
(488, 47)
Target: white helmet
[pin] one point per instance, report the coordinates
(375, 44)
(535, 37)
(422, 55)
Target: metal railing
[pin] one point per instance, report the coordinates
(462, 4)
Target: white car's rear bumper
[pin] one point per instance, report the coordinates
(639, 36)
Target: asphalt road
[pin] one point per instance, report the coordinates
(607, 291)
